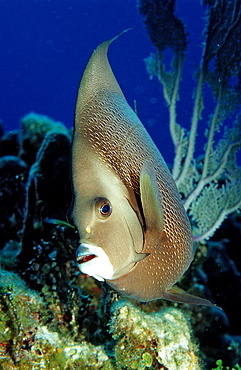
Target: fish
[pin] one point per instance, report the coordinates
(133, 229)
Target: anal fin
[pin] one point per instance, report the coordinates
(177, 294)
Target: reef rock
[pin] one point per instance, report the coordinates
(160, 340)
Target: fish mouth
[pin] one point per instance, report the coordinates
(93, 261)
(85, 258)
(84, 254)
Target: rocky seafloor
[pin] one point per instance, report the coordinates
(54, 317)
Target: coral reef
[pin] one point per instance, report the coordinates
(26, 340)
(13, 176)
(34, 128)
(29, 340)
(160, 340)
(46, 324)
(54, 317)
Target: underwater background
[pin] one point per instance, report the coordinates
(51, 316)
(45, 46)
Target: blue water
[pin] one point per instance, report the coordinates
(45, 45)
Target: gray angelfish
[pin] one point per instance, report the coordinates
(134, 231)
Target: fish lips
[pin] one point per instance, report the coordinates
(83, 255)
(93, 261)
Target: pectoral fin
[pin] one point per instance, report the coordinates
(139, 257)
(177, 294)
(150, 197)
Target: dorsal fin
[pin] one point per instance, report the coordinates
(98, 75)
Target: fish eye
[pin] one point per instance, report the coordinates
(103, 208)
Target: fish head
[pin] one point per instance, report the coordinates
(111, 234)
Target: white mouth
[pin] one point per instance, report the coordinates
(94, 261)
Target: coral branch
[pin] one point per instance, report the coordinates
(198, 107)
(211, 187)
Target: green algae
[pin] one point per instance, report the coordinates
(220, 366)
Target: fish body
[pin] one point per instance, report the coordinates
(134, 231)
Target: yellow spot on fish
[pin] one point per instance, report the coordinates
(88, 229)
